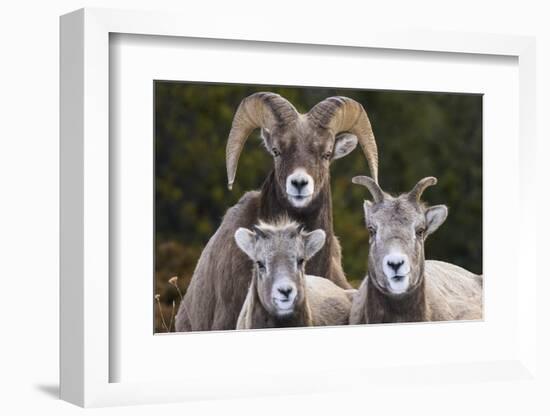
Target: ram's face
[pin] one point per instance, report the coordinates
(279, 254)
(396, 247)
(302, 155)
(398, 227)
(302, 145)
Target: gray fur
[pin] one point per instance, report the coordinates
(437, 291)
(310, 141)
(276, 251)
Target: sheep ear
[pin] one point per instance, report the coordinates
(314, 241)
(345, 143)
(435, 216)
(245, 239)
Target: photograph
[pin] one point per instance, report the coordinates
(242, 208)
(297, 206)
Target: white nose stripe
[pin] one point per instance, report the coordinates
(299, 183)
(279, 289)
(395, 264)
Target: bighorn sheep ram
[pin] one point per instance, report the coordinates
(401, 286)
(302, 146)
(280, 293)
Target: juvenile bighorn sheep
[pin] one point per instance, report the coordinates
(280, 293)
(400, 285)
(302, 146)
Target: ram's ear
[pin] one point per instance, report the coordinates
(344, 145)
(245, 239)
(435, 216)
(314, 241)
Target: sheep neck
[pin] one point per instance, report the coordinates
(410, 307)
(317, 215)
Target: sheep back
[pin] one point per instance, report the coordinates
(453, 293)
(329, 303)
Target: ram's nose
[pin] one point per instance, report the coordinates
(286, 291)
(395, 265)
(299, 183)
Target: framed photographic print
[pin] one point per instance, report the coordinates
(256, 272)
(226, 231)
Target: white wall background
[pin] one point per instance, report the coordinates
(29, 171)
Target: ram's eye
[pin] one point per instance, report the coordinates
(300, 262)
(372, 230)
(276, 152)
(261, 265)
(420, 232)
(327, 155)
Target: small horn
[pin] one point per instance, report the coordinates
(262, 109)
(344, 114)
(372, 186)
(420, 187)
(259, 232)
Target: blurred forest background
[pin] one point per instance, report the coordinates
(418, 134)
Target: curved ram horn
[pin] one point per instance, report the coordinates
(372, 186)
(262, 109)
(420, 187)
(342, 114)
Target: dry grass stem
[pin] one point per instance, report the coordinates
(174, 282)
(173, 314)
(157, 297)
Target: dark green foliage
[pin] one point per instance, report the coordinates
(418, 135)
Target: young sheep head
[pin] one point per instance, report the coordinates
(398, 227)
(302, 145)
(279, 253)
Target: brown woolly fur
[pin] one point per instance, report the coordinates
(214, 303)
(327, 262)
(301, 144)
(401, 286)
(222, 275)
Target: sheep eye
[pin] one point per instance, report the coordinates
(372, 230)
(327, 155)
(420, 232)
(261, 265)
(276, 152)
(300, 261)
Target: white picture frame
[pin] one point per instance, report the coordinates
(86, 163)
